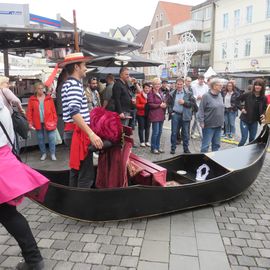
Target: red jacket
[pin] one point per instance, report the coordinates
(33, 115)
(140, 103)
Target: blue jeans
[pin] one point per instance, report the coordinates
(41, 140)
(210, 135)
(178, 123)
(246, 129)
(229, 118)
(156, 134)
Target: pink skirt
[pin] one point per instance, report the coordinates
(17, 179)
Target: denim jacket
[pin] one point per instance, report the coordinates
(187, 106)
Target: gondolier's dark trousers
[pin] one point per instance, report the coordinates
(16, 224)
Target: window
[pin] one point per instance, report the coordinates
(267, 44)
(206, 36)
(237, 18)
(207, 13)
(267, 8)
(225, 20)
(157, 19)
(168, 35)
(224, 50)
(161, 19)
(235, 52)
(247, 47)
(152, 43)
(249, 14)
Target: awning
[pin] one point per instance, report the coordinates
(246, 75)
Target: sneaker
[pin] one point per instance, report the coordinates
(186, 151)
(43, 157)
(172, 152)
(53, 157)
(155, 151)
(160, 150)
(148, 144)
(95, 155)
(142, 144)
(25, 266)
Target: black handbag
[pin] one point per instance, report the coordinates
(20, 124)
(11, 143)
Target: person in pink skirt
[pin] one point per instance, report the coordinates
(16, 181)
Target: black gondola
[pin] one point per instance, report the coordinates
(231, 172)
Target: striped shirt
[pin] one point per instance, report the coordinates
(74, 100)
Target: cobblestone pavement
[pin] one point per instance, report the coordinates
(233, 235)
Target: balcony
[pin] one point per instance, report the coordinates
(203, 47)
(191, 25)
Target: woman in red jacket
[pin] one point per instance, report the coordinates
(41, 115)
(142, 117)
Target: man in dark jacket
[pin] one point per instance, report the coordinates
(180, 110)
(122, 96)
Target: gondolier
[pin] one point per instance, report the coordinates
(77, 119)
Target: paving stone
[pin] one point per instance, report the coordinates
(157, 229)
(248, 228)
(136, 251)
(78, 256)
(112, 259)
(206, 225)
(226, 241)
(115, 232)
(47, 253)
(129, 261)
(139, 225)
(227, 233)
(82, 266)
(255, 243)
(263, 262)
(50, 264)
(64, 266)
(264, 252)
(232, 227)
(124, 250)
(232, 260)
(258, 236)
(92, 247)
(86, 229)
(205, 212)
(134, 241)
(59, 228)
(11, 261)
(3, 239)
(2, 258)
(130, 233)
(101, 230)
(95, 258)
(253, 252)
(45, 243)
(72, 228)
(60, 244)
(266, 244)
(209, 241)
(183, 262)
(119, 240)
(104, 239)
(218, 260)
(141, 233)
(120, 268)
(45, 234)
(89, 238)
(3, 248)
(157, 251)
(61, 255)
(184, 246)
(74, 236)
(12, 251)
(76, 246)
(108, 249)
(100, 267)
(234, 250)
(239, 242)
(240, 234)
(124, 225)
(59, 235)
(246, 261)
(237, 267)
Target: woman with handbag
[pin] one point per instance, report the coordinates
(42, 117)
(16, 180)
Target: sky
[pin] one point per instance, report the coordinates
(99, 15)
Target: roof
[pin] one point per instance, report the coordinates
(206, 3)
(66, 24)
(176, 13)
(142, 35)
(124, 29)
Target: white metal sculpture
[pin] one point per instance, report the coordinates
(187, 46)
(160, 55)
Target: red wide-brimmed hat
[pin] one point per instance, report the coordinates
(74, 58)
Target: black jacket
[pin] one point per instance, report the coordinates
(122, 96)
(248, 101)
(234, 97)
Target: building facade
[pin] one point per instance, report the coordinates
(242, 38)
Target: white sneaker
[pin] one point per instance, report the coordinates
(95, 155)
(53, 157)
(43, 157)
(148, 144)
(142, 144)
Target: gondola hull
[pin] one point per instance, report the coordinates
(232, 171)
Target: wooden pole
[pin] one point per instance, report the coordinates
(6, 64)
(76, 35)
